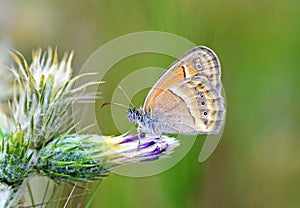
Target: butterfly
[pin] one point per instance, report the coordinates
(186, 99)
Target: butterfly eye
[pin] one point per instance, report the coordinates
(202, 103)
(199, 66)
(205, 113)
(201, 94)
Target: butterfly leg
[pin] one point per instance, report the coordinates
(160, 138)
(139, 135)
(160, 135)
(159, 132)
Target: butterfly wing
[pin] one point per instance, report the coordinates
(187, 98)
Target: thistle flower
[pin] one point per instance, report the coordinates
(38, 136)
(86, 158)
(45, 97)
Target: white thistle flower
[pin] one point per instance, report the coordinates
(45, 95)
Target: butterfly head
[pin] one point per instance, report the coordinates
(134, 115)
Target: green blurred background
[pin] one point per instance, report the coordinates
(256, 163)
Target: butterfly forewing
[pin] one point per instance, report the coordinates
(187, 97)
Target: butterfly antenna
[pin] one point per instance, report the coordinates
(126, 95)
(113, 103)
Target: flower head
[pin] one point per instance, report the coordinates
(90, 157)
(45, 96)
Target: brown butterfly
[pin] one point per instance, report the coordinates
(186, 99)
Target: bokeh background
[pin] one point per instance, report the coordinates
(256, 163)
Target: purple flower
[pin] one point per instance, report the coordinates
(146, 147)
